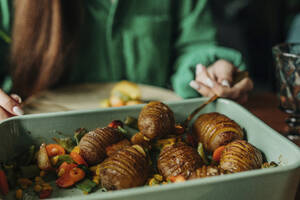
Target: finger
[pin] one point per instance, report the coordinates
(202, 89)
(17, 98)
(203, 76)
(9, 104)
(244, 86)
(241, 87)
(223, 70)
(4, 114)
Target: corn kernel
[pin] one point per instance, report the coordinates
(42, 173)
(98, 171)
(54, 160)
(38, 179)
(37, 188)
(153, 181)
(96, 179)
(48, 187)
(19, 194)
(158, 177)
(76, 149)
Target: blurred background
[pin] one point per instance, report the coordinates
(254, 27)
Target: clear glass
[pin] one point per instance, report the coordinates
(287, 61)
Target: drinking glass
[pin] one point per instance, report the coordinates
(287, 61)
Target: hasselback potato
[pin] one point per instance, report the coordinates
(240, 155)
(178, 159)
(127, 168)
(206, 171)
(156, 120)
(215, 129)
(93, 144)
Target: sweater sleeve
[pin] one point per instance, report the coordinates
(5, 40)
(195, 43)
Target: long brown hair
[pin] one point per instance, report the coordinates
(43, 35)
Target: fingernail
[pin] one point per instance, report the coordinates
(199, 69)
(16, 97)
(209, 83)
(225, 83)
(194, 85)
(18, 111)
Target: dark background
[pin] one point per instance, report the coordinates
(253, 27)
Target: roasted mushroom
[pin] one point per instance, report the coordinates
(240, 155)
(178, 159)
(127, 168)
(215, 129)
(156, 120)
(206, 171)
(93, 144)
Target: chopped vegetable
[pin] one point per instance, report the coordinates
(19, 194)
(176, 179)
(44, 194)
(77, 174)
(54, 150)
(76, 149)
(269, 165)
(115, 124)
(24, 183)
(77, 158)
(43, 159)
(79, 133)
(202, 154)
(65, 168)
(67, 143)
(86, 185)
(3, 183)
(29, 171)
(70, 177)
(217, 153)
(64, 158)
(115, 101)
(131, 122)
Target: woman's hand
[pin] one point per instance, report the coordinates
(9, 105)
(218, 79)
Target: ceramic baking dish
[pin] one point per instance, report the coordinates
(274, 183)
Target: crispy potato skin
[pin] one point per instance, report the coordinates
(206, 171)
(240, 155)
(215, 129)
(178, 159)
(156, 120)
(127, 168)
(93, 144)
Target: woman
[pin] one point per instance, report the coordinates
(57, 42)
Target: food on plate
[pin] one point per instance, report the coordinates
(124, 93)
(127, 168)
(240, 155)
(111, 158)
(156, 120)
(215, 129)
(93, 144)
(178, 159)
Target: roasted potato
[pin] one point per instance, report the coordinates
(240, 155)
(178, 159)
(206, 171)
(156, 120)
(215, 129)
(93, 144)
(127, 168)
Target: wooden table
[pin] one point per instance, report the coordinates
(264, 105)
